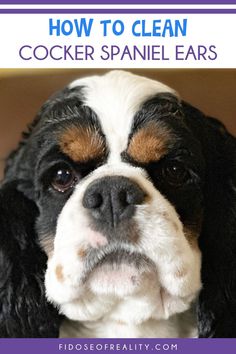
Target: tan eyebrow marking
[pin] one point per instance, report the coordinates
(149, 143)
(82, 144)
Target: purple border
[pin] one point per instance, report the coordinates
(92, 2)
(184, 346)
(120, 2)
(117, 11)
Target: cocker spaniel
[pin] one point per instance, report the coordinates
(118, 217)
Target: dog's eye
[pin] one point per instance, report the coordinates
(175, 173)
(63, 179)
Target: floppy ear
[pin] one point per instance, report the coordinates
(24, 311)
(217, 300)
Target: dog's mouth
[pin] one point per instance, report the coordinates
(116, 271)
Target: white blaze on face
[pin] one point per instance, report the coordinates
(170, 279)
(115, 98)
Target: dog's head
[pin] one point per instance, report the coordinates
(127, 178)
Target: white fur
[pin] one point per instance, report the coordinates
(109, 303)
(116, 97)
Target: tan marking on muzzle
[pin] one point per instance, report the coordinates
(192, 236)
(82, 144)
(47, 243)
(82, 252)
(192, 231)
(180, 273)
(59, 273)
(149, 143)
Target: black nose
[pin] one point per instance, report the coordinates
(112, 199)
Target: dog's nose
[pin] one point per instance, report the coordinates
(112, 199)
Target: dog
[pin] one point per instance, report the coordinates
(135, 198)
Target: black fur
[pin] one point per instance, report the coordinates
(24, 311)
(213, 155)
(217, 301)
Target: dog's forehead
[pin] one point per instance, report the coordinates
(115, 97)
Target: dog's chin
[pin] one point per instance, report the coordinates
(120, 273)
(113, 283)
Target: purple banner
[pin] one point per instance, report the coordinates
(126, 2)
(56, 346)
(117, 11)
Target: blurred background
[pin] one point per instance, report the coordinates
(22, 92)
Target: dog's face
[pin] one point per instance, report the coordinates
(119, 179)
